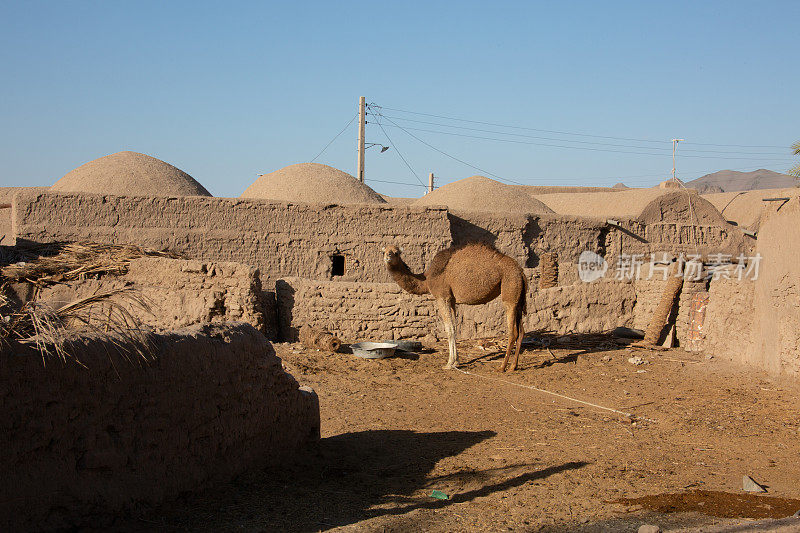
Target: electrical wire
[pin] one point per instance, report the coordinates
(453, 157)
(570, 133)
(399, 152)
(667, 149)
(514, 141)
(398, 183)
(335, 137)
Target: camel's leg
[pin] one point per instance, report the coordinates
(520, 335)
(513, 336)
(447, 311)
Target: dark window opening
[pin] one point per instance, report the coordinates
(337, 265)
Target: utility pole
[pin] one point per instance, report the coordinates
(361, 122)
(430, 182)
(674, 146)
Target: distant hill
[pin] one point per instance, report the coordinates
(731, 180)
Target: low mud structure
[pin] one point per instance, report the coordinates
(107, 433)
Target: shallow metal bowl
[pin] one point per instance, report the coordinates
(373, 350)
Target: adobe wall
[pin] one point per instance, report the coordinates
(280, 239)
(6, 198)
(376, 311)
(729, 322)
(777, 290)
(115, 435)
(182, 292)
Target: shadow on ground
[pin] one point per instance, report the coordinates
(352, 477)
(549, 346)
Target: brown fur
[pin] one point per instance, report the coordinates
(470, 274)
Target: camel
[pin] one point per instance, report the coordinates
(470, 274)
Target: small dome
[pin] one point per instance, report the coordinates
(130, 174)
(479, 193)
(682, 206)
(312, 183)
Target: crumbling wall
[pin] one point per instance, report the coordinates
(649, 289)
(376, 311)
(110, 435)
(280, 239)
(182, 292)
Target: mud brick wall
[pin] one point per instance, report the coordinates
(777, 290)
(638, 238)
(577, 308)
(375, 311)
(6, 198)
(280, 239)
(728, 325)
(354, 311)
(507, 233)
(182, 292)
(83, 443)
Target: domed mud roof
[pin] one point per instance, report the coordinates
(681, 206)
(312, 183)
(130, 174)
(479, 193)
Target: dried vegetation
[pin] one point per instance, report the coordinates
(105, 313)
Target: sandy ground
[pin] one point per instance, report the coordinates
(511, 458)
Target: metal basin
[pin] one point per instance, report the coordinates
(373, 350)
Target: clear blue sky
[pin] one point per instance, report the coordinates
(226, 91)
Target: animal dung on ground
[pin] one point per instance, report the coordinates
(319, 340)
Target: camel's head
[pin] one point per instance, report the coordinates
(391, 254)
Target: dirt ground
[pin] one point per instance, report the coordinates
(510, 457)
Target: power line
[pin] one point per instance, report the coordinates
(514, 141)
(570, 133)
(398, 152)
(335, 137)
(575, 141)
(453, 157)
(398, 183)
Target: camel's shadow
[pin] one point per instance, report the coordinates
(550, 346)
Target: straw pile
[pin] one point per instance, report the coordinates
(50, 329)
(312, 183)
(59, 262)
(130, 174)
(479, 193)
(681, 206)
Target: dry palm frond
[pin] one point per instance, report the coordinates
(108, 313)
(57, 262)
(795, 170)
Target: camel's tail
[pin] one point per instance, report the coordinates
(522, 303)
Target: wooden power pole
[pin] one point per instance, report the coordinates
(361, 122)
(430, 182)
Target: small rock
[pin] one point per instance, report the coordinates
(649, 528)
(709, 357)
(750, 485)
(636, 360)
(606, 358)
